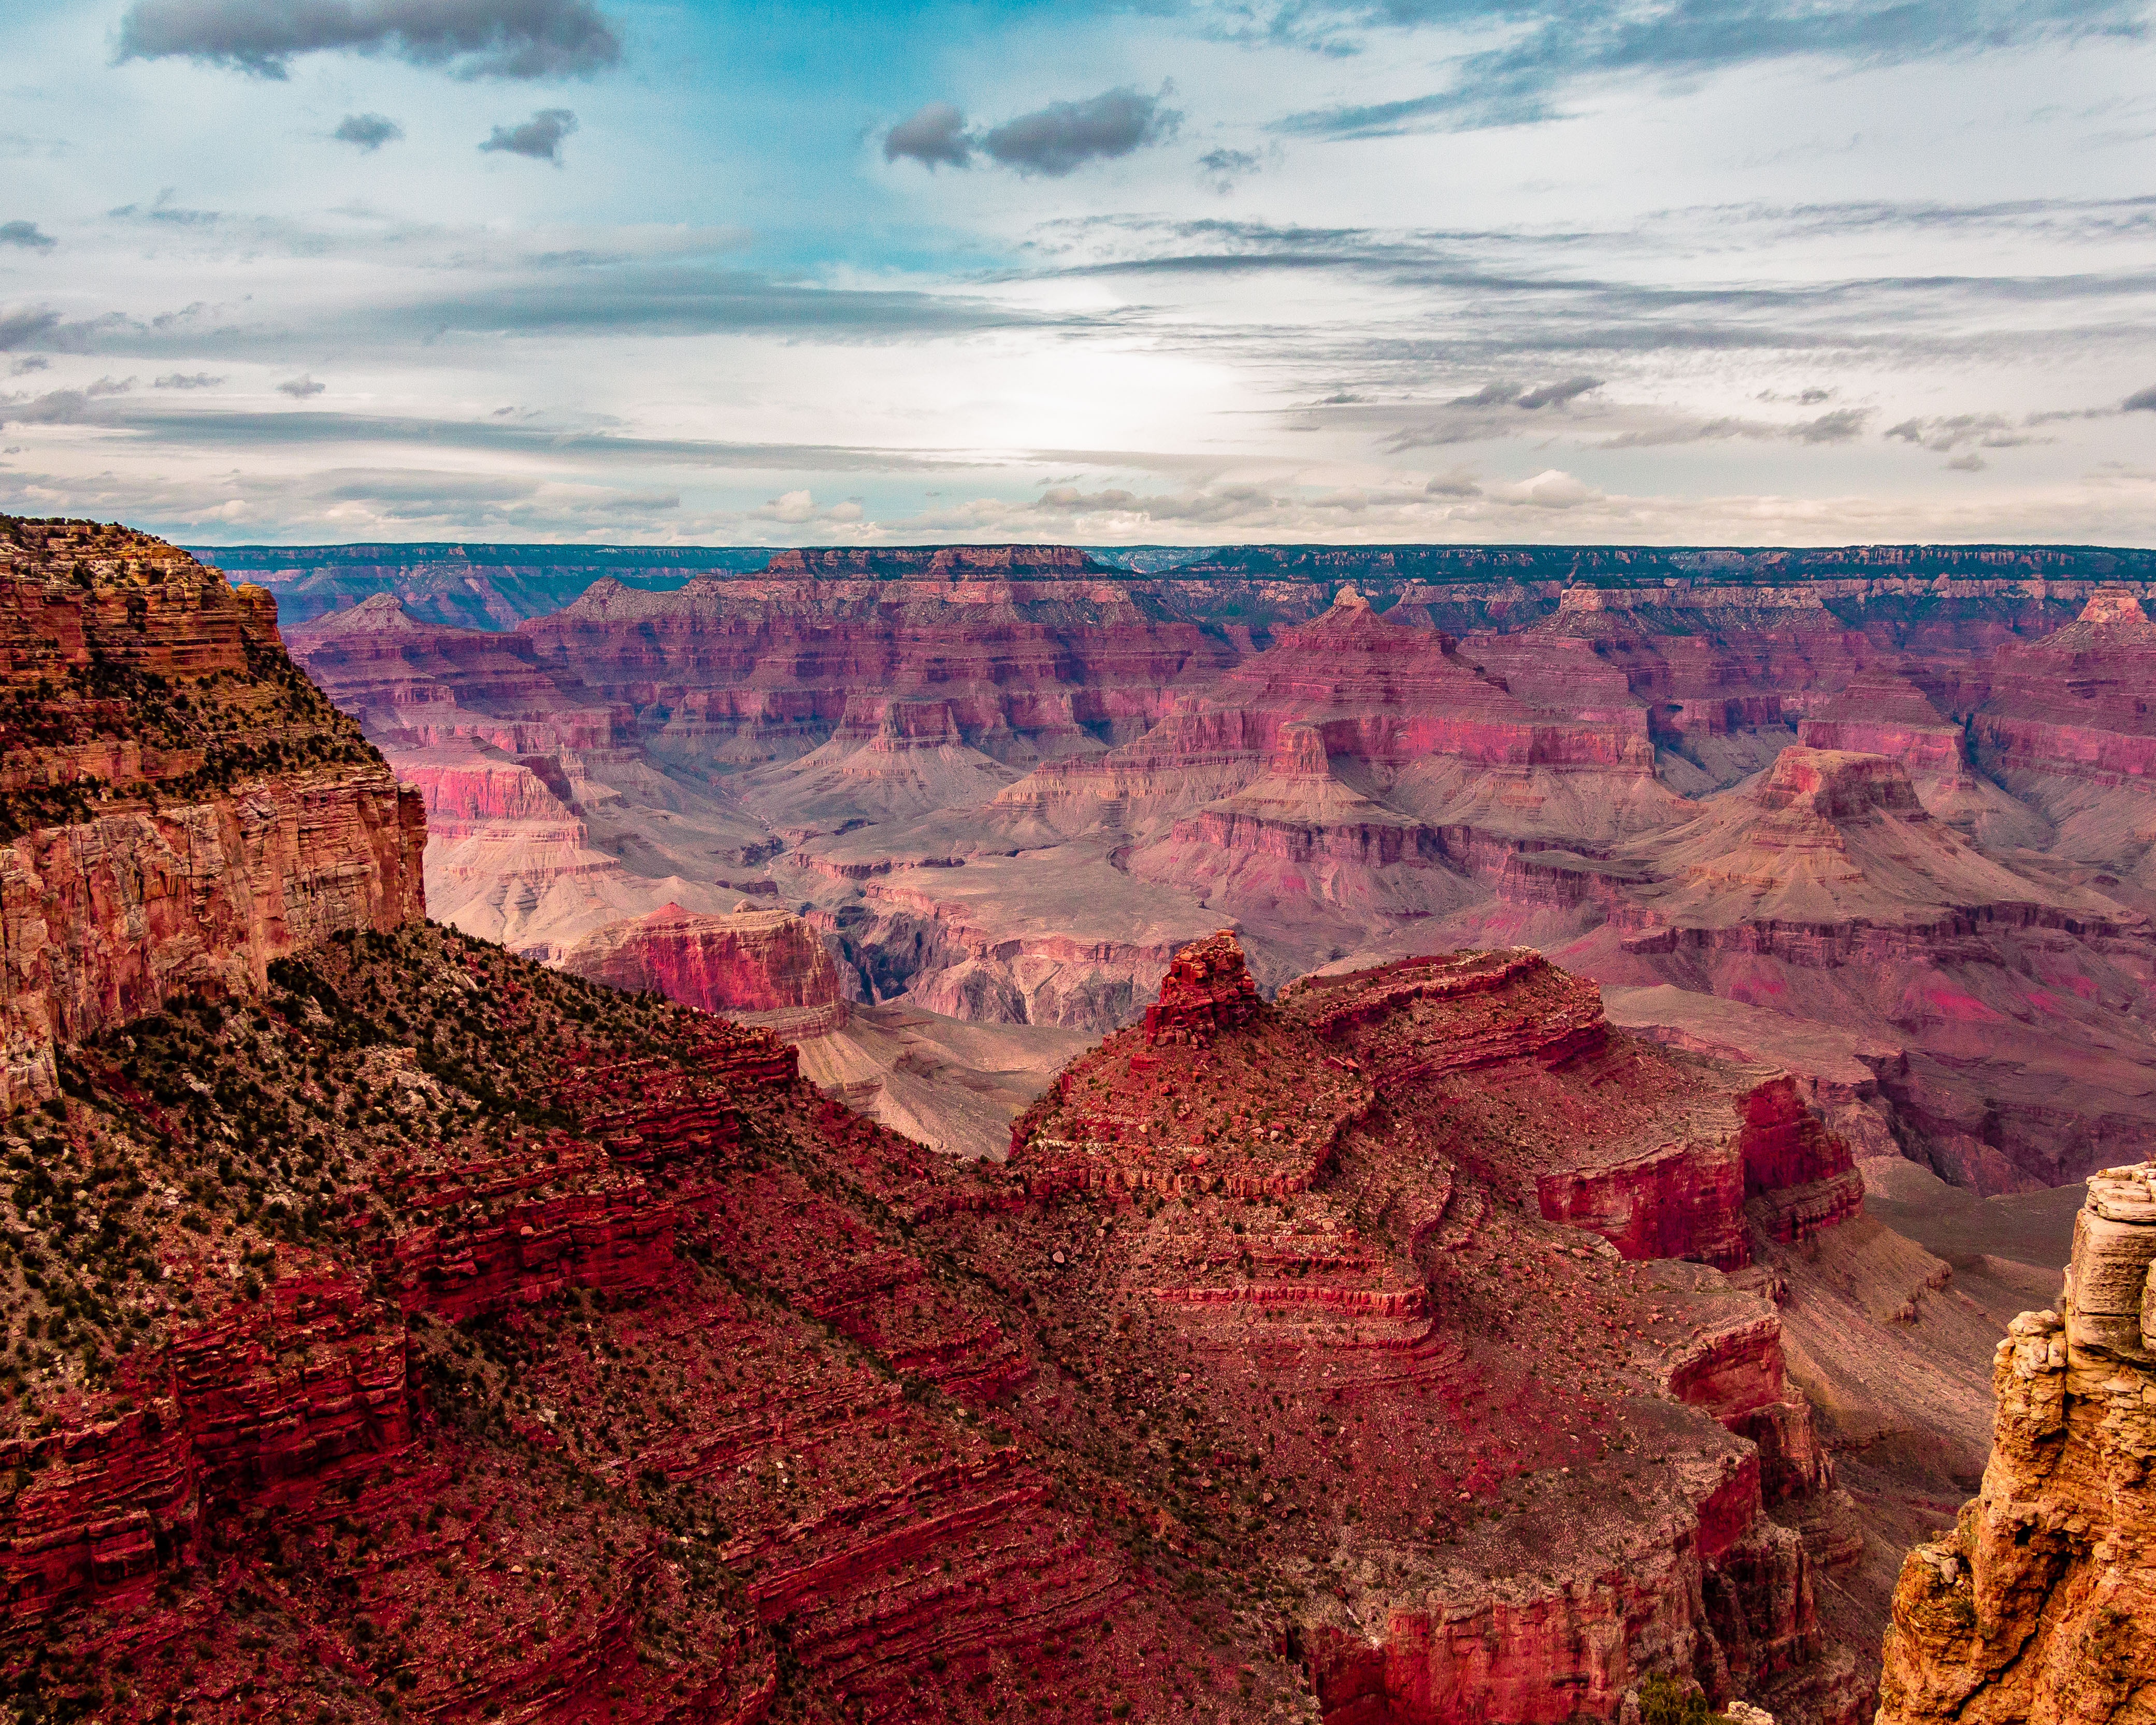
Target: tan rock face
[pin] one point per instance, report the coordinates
(179, 806)
(2041, 1604)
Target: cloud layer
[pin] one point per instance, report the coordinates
(1365, 269)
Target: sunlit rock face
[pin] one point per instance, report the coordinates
(2040, 1604)
(180, 806)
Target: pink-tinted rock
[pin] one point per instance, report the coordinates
(749, 962)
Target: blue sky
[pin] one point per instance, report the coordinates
(1695, 270)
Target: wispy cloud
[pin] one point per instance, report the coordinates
(1552, 46)
(26, 234)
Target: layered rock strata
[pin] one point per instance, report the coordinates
(2038, 1604)
(1289, 1194)
(181, 805)
(543, 1347)
(752, 961)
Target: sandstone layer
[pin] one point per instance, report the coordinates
(2036, 1606)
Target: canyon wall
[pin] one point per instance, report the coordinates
(181, 806)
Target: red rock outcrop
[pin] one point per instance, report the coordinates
(2037, 1605)
(750, 962)
(1326, 1235)
(182, 807)
(1206, 989)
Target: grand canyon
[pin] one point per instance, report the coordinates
(1382, 1136)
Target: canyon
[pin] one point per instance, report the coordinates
(1877, 815)
(401, 1323)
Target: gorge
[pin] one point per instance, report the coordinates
(1491, 1317)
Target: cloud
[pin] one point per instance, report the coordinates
(1515, 395)
(1989, 431)
(1064, 137)
(1222, 168)
(1054, 140)
(1970, 463)
(792, 508)
(27, 235)
(299, 388)
(61, 407)
(934, 135)
(1839, 426)
(1556, 395)
(540, 137)
(24, 324)
(27, 363)
(2141, 401)
(472, 39)
(187, 380)
(1458, 483)
(370, 131)
(1552, 488)
(1556, 44)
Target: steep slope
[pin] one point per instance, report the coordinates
(444, 1335)
(2066, 721)
(546, 820)
(180, 806)
(1035, 650)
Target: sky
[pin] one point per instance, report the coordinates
(1181, 271)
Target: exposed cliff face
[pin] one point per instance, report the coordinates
(183, 807)
(755, 962)
(2038, 1606)
(1035, 651)
(1828, 891)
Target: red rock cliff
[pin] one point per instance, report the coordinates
(749, 962)
(180, 805)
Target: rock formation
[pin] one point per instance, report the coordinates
(1341, 1239)
(181, 806)
(2037, 1605)
(1206, 989)
(445, 1330)
(750, 962)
